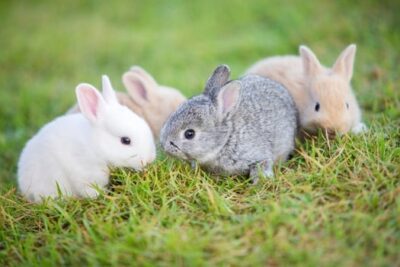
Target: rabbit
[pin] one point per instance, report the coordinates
(73, 153)
(322, 95)
(147, 99)
(234, 127)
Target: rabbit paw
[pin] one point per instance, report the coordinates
(359, 128)
(91, 192)
(193, 164)
(261, 170)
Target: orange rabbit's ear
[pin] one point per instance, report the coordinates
(145, 75)
(311, 64)
(137, 87)
(345, 62)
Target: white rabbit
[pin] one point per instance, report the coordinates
(73, 153)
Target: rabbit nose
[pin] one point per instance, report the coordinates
(173, 144)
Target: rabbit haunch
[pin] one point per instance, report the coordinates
(323, 95)
(73, 152)
(235, 127)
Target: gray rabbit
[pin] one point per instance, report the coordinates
(235, 127)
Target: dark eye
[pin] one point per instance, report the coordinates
(347, 105)
(189, 134)
(125, 140)
(317, 106)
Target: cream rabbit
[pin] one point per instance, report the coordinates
(156, 102)
(323, 95)
(146, 98)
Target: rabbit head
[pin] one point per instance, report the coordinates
(118, 135)
(198, 129)
(156, 102)
(332, 105)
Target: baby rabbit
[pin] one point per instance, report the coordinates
(235, 127)
(156, 102)
(73, 152)
(147, 99)
(323, 95)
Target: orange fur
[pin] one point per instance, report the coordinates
(310, 83)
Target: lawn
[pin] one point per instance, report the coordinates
(335, 203)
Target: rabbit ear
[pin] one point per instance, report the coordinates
(90, 101)
(108, 92)
(345, 62)
(219, 77)
(311, 64)
(137, 87)
(228, 96)
(145, 75)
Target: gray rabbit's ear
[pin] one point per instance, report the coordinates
(219, 77)
(228, 97)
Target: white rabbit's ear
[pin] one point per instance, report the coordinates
(151, 82)
(311, 64)
(137, 87)
(219, 77)
(228, 96)
(345, 62)
(90, 101)
(108, 92)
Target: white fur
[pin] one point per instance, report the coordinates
(74, 152)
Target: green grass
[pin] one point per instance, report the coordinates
(335, 203)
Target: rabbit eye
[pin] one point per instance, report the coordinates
(347, 105)
(189, 134)
(317, 107)
(125, 140)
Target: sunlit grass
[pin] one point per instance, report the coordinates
(335, 203)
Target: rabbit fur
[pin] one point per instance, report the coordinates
(235, 127)
(73, 153)
(323, 96)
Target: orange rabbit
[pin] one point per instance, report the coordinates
(323, 96)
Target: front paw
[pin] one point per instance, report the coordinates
(258, 172)
(193, 164)
(359, 128)
(91, 192)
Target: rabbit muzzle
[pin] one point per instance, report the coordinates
(174, 150)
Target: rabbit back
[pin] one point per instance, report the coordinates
(60, 155)
(264, 126)
(286, 70)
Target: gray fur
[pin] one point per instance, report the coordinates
(258, 130)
